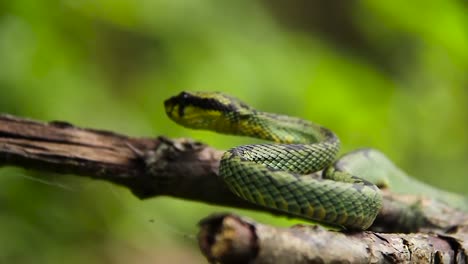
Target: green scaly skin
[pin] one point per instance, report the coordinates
(275, 175)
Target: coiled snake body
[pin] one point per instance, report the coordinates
(274, 175)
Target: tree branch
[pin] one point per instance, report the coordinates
(184, 169)
(229, 238)
(148, 167)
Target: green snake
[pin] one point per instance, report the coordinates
(281, 175)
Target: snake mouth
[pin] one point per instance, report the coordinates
(195, 110)
(172, 110)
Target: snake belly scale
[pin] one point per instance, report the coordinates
(274, 175)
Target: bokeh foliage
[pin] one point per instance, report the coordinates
(386, 74)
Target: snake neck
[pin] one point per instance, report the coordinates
(228, 115)
(283, 129)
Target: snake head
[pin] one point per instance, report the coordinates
(207, 110)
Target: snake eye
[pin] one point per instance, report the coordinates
(177, 103)
(184, 95)
(182, 98)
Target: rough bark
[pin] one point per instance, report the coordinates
(232, 239)
(187, 169)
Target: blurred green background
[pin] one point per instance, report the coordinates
(386, 74)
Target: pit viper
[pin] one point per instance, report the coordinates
(280, 175)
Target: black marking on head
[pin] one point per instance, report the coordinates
(185, 99)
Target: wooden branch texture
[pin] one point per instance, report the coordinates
(187, 169)
(232, 239)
